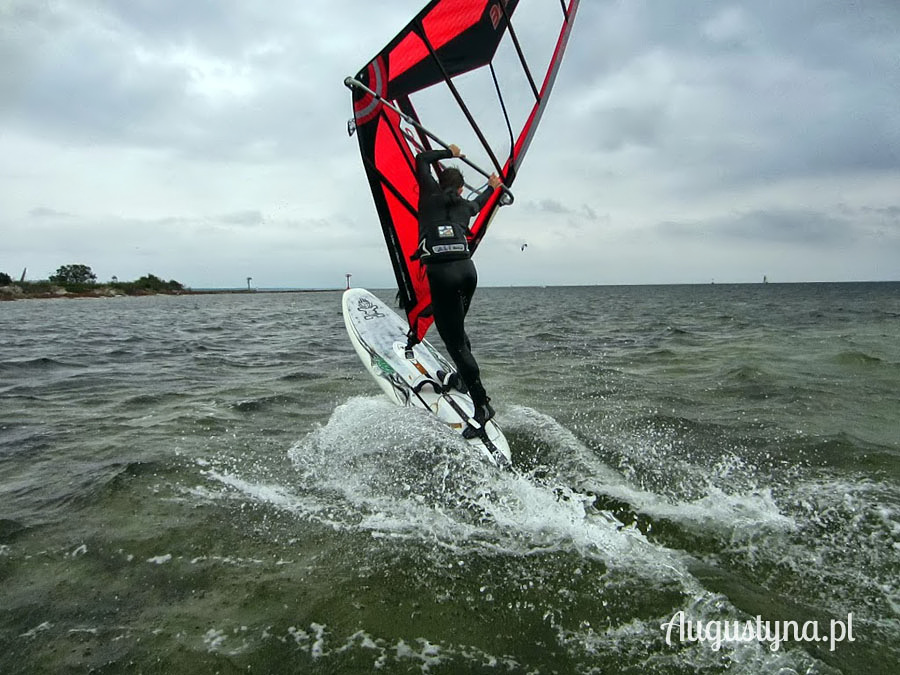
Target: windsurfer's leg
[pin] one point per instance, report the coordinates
(450, 285)
(476, 389)
(468, 290)
(468, 286)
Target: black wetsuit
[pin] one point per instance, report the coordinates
(451, 273)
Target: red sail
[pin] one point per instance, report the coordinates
(484, 76)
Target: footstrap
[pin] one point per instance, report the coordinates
(438, 387)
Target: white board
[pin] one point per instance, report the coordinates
(378, 335)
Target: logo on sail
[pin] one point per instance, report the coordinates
(497, 13)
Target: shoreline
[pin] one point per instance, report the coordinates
(14, 292)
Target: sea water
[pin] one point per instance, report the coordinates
(213, 483)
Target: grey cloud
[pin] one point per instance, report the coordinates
(789, 226)
(244, 218)
(549, 206)
(719, 96)
(621, 126)
(44, 212)
(556, 207)
(134, 74)
(774, 225)
(892, 212)
(589, 213)
(220, 25)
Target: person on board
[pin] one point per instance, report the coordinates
(444, 216)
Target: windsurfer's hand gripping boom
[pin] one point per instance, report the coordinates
(493, 180)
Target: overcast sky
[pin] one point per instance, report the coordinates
(686, 142)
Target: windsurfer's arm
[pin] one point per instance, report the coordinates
(482, 199)
(425, 159)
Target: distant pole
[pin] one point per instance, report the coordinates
(22, 280)
(249, 279)
(348, 280)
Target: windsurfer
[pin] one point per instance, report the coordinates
(443, 247)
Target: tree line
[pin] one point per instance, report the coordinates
(80, 278)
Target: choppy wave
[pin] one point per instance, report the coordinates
(400, 476)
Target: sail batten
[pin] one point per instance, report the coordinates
(438, 59)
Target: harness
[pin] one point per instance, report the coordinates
(443, 241)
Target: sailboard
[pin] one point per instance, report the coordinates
(411, 377)
(480, 72)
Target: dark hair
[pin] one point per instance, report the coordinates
(451, 178)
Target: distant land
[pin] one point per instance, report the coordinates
(78, 280)
(47, 291)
